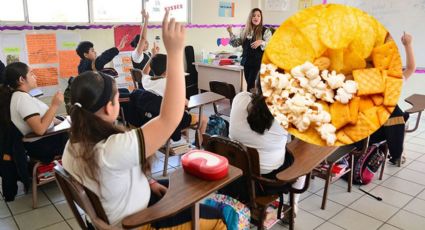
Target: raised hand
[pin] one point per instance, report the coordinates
(123, 42)
(173, 34)
(406, 39)
(229, 29)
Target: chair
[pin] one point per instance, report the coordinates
(168, 151)
(136, 75)
(227, 90)
(247, 160)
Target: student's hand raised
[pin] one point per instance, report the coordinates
(57, 99)
(229, 29)
(145, 15)
(173, 34)
(123, 42)
(406, 39)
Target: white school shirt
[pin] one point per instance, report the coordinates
(124, 188)
(270, 145)
(156, 86)
(139, 57)
(24, 106)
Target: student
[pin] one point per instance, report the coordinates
(2, 67)
(156, 84)
(140, 56)
(89, 60)
(113, 163)
(252, 124)
(29, 114)
(253, 40)
(393, 130)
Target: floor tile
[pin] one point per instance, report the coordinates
(412, 155)
(367, 187)
(328, 226)
(159, 176)
(390, 169)
(38, 218)
(59, 226)
(421, 195)
(8, 224)
(352, 220)
(421, 159)
(316, 185)
(4, 210)
(391, 197)
(305, 195)
(174, 161)
(313, 203)
(53, 192)
(307, 221)
(64, 209)
(388, 227)
(158, 166)
(376, 209)
(417, 141)
(24, 203)
(403, 186)
(416, 206)
(73, 223)
(411, 175)
(340, 195)
(407, 220)
(417, 166)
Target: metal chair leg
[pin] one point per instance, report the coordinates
(34, 185)
(167, 154)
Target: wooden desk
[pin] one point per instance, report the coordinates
(418, 103)
(312, 155)
(62, 127)
(184, 191)
(200, 100)
(232, 74)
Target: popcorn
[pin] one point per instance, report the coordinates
(327, 132)
(334, 80)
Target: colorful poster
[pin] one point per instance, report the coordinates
(121, 31)
(12, 48)
(178, 9)
(226, 9)
(302, 4)
(276, 5)
(122, 64)
(68, 63)
(46, 76)
(41, 48)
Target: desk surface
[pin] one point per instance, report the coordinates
(307, 156)
(225, 67)
(417, 101)
(203, 99)
(184, 191)
(64, 126)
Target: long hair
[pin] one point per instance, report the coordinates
(259, 116)
(11, 76)
(256, 31)
(87, 129)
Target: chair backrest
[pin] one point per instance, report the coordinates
(136, 75)
(76, 194)
(223, 88)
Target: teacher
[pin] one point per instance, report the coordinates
(253, 39)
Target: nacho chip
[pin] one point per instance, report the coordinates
(289, 48)
(383, 55)
(372, 115)
(361, 130)
(354, 106)
(392, 91)
(340, 114)
(395, 69)
(383, 115)
(352, 61)
(364, 40)
(337, 59)
(342, 137)
(365, 103)
(377, 99)
(310, 136)
(338, 26)
(369, 81)
(390, 109)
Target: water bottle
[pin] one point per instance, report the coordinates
(204, 56)
(157, 40)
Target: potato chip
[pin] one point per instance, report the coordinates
(337, 59)
(322, 63)
(340, 114)
(392, 91)
(338, 26)
(310, 136)
(363, 128)
(339, 143)
(369, 81)
(365, 103)
(352, 61)
(395, 68)
(307, 22)
(288, 47)
(383, 115)
(265, 59)
(383, 55)
(354, 106)
(364, 41)
(372, 115)
(381, 34)
(343, 137)
(377, 99)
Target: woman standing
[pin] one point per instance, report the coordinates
(253, 39)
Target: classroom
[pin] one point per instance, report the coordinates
(212, 114)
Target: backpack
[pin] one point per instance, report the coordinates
(367, 164)
(236, 214)
(217, 126)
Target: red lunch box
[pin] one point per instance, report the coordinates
(205, 165)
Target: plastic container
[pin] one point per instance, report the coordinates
(205, 165)
(157, 40)
(204, 56)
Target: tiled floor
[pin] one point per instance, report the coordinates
(402, 207)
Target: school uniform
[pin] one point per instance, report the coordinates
(2, 67)
(140, 60)
(124, 188)
(22, 107)
(251, 58)
(99, 63)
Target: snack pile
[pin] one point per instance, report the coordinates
(331, 75)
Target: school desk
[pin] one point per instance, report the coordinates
(418, 105)
(62, 127)
(232, 74)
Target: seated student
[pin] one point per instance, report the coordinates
(394, 132)
(89, 60)
(2, 67)
(114, 163)
(140, 56)
(156, 84)
(252, 124)
(29, 114)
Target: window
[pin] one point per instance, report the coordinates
(12, 10)
(58, 11)
(178, 9)
(117, 10)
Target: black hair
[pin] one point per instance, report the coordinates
(135, 41)
(84, 47)
(259, 116)
(11, 76)
(159, 64)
